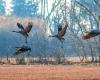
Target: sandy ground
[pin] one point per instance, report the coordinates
(44, 72)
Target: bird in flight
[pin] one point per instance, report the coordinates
(92, 33)
(61, 32)
(22, 50)
(24, 31)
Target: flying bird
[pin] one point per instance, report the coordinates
(22, 50)
(61, 32)
(24, 31)
(92, 33)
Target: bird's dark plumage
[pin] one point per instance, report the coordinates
(22, 49)
(91, 34)
(28, 28)
(59, 28)
(20, 26)
(63, 31)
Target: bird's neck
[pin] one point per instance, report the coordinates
(16, 31)
(53, 36)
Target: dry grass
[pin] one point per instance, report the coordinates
(48, 72)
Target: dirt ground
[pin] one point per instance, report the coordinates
(48, 72)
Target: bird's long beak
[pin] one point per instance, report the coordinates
(13, 31)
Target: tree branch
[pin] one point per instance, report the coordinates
(54, 7)
(87, 10)
(97, 3)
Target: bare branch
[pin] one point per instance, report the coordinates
(97, 3)
(88, 11)
(54, 7)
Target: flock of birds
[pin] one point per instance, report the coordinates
(60, 35)
(62, 31)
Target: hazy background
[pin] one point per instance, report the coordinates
(46, 15)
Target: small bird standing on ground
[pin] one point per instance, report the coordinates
(92, 33)
(24, 31)
(22, 50)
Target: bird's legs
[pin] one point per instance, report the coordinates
(26, 40)
(61, 43)
(29, 54)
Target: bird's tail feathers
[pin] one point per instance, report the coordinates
(63, 38)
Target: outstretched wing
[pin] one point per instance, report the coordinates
(28, 28)
(96, 31)
(91, 34)
(59, 28)
(19, 52)
(88, 36)
(20, 26)
(63, 31)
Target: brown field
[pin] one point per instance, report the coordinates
(49, 72)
